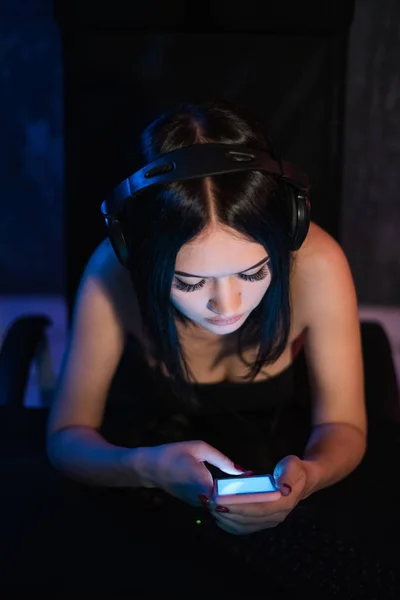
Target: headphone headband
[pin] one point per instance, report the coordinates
(201, 160)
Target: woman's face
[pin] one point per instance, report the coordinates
(224, 277)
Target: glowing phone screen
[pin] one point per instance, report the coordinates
(249, 485)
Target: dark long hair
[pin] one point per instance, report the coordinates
(162, 219)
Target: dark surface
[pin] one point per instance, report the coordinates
(58, 536)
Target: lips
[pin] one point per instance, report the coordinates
(225, 321)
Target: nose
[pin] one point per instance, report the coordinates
(226, 301)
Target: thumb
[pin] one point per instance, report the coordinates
(286, 473)
(205, 452)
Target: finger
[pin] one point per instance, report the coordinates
(233, 528)
(259, 509)
(289, 473)
(226, 527)
(205, 452)
(202, 479)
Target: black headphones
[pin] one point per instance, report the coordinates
(203, 160)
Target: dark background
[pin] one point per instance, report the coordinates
(78, 81)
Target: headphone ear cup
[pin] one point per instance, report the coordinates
(118, 240)
(298, 211)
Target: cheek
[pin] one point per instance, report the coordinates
(184, 302)
(254, 296)
(256, 291)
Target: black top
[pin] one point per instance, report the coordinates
(239, 418)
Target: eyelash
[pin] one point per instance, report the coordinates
(185, 287)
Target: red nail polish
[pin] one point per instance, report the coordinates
(239, 468)
(222, 509)
(204, 500)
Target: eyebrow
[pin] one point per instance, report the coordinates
(182, 273)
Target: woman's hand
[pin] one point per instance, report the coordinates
(290, 476)
(179, 469)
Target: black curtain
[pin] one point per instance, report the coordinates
(122, 67)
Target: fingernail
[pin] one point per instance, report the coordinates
(222, 509)
(204, 500)
(239, 468)
(287, 488)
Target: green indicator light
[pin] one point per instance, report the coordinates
(198, 522)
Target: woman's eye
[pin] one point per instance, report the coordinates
(261, 274)
(186, 287)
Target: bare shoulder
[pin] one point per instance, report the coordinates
(117, 285)
(319, 262)
(318, 248)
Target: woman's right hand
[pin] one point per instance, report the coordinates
(179, 469)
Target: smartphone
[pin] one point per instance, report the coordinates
(242, 490)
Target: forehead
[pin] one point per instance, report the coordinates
(218, 253)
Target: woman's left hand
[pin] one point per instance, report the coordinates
(243, 519)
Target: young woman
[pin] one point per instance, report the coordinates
(215, 308)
